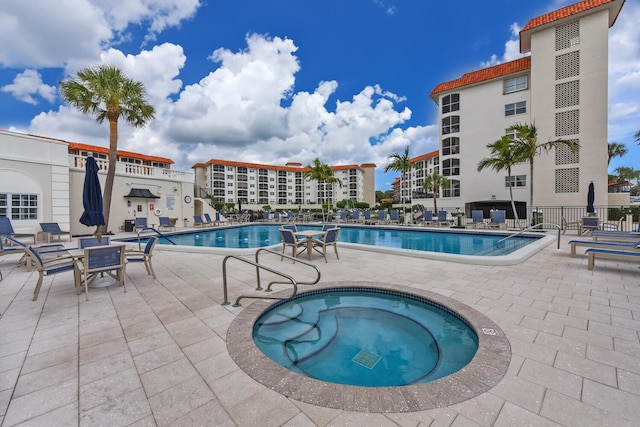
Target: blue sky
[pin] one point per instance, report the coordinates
(347, 81)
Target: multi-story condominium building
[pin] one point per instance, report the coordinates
(410, 187)
(283, 187)
(561, 88)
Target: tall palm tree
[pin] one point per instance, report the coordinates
(637, 136)
(104, 92)
(502, 158)
(322, 173)
(616, 149)
(401, 162)
(526, 148)
(433, 182)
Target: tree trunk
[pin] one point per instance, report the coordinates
(111, 172)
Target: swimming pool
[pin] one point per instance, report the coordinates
(469, 246)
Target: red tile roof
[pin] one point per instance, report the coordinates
(74, 146)
(485, 74)
(424, 156)
(614, 7)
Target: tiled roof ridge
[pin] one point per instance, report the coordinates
(489, 73)
(105, 150)
(425, 156)
(564, 12)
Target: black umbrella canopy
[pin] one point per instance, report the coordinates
(92, 196)
(591, 195)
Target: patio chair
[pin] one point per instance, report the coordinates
(330, 238)
(49, 267)
(18, 247)
(499, 219)
(342, 216)
(140, 224)
(86, 242)
(289, 240)
(427, 218)
(326, 227)
(207, 219)
(6, 229)
(442, 219)
(382, 217)
(355, 217)
(625, 246)
(102, 259)
(165, 224)
(593, 253)
(615, 236)
(143, 256)
(367, 217)
(52, 229)
(291, 227)
(197, 221)
(477, 220)
(266, 216)
(588, 225)
(276, 216)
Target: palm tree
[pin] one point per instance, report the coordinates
(105, 93)
(433, 183)
(321, 172)
(637, 136)
(616, 149)
(502, 158)
(401, 163)
(625, 174)
(526, 148)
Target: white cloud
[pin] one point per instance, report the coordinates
(27, 84)
(511, 49)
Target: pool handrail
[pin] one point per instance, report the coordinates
(162, 236)
(269, 269)
(517, 233)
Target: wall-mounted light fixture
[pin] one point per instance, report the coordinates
(128, 203)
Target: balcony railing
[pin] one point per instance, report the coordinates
(124, 168)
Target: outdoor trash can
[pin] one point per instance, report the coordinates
(129, 224)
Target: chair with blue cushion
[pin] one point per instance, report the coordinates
(355, 217)
(6, 229)
(499, 219)
(49, 267)
(197, 221)
(165, 224)
(618, 255)
(393, 216)
(289, 240)
(291, 227)
(140, 224)
(207, 219)
(588, 225)
(18, 247)
(99, 260)
(427, 218)
(442, 219)
(330, 238)
(382, 216)
(85, 242)
(143, 256)
(477, 219)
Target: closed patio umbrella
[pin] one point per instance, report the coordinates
(590, 198)
(92, 196)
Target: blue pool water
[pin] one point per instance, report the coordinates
(450, 242)
(365, 337)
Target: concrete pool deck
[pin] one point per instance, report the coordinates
(157, 354)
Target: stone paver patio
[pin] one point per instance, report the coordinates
(157, 354)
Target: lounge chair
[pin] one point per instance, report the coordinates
(208, 220)
(427, 218)
(615, 236)
(442, 219)
(140, 224)
(102, 259)
(342, 216)
(593, 253)
(382, 217)
(197, 221)
(355, 217)
(289, 240)
(394, 216)
(326, 227)
(52, 229)
(165, 224)
(477, 219)
(367, 217)
(330, 238)
(604, 245)
(499, 219)
(49, 267)
(6, 229)
(143, 256)
(18, 247)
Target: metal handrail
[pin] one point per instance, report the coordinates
(269, 269)
(531, 229)
(162, 236)
(289, 257)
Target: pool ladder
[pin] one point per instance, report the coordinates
(259, 267)
(519, 232)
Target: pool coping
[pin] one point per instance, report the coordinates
(486, 369)
(513, 258)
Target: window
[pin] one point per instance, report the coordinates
(515, 84)
(512, 134)
(450, 103)
(450, 146)
(451, 167)
(515, 108)
(19, 206)
(453, 190)
(450, 124)
(515, 181)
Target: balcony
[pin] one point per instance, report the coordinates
(133, 169)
